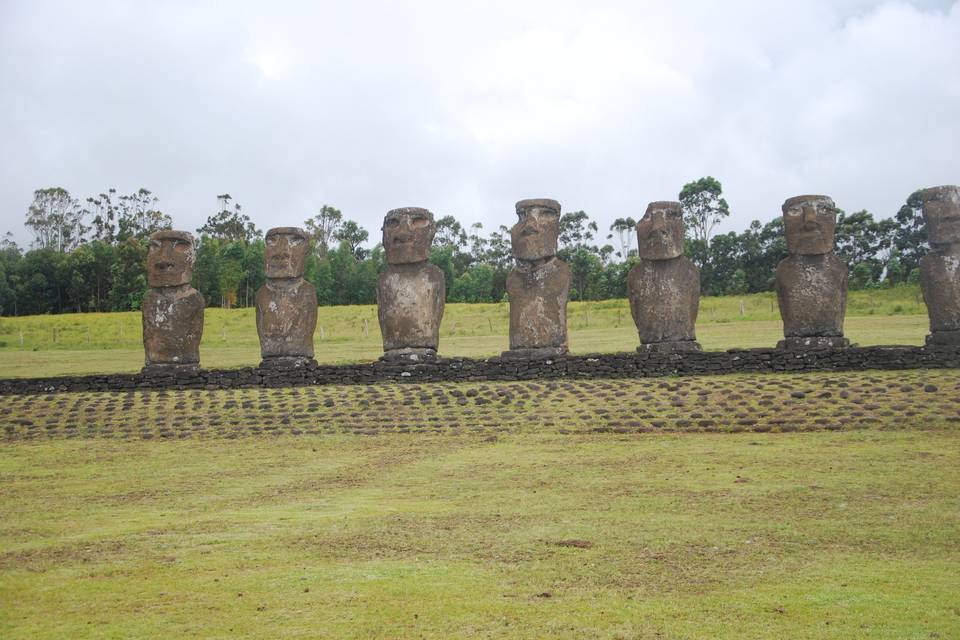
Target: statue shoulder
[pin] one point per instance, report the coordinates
(562, 267)
(195, 297)
(689, 266)
(834, 261)
(637, 270)
(433, 272)
(785, 264)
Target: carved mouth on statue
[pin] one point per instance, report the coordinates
(279, 261)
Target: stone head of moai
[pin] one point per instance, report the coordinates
(285, 253)
(808, 224)
(408, 234)
(534, 237)
(170, 258)
(941, 216)
(660, 231)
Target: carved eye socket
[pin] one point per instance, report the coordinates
(391, 222)
(794, 212)
(294, 241)
(155, 244)
(179, 245)
(419, 223)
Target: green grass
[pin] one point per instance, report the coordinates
(106, 342)
(574, 509)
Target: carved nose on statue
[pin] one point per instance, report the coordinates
(809, 214)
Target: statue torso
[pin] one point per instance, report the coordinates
(538, 304)
(172, 325)
(812, 294)
(664, 299)
(410, 299)
(286, 318)
(940, 281)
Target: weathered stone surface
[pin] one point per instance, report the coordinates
(664, 287)
(813, 342)
(671, 346)
(808, 224)
(660, 231)
(172, 310)
(539, 284)
(286, 305)
(811, 282)
(408, 234)
(410, 291)
(940, 269)
(286, 318)
(665, 299)
(608, 365)
(536, 353)
(534, 237)
(812, 294)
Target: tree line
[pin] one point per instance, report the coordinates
(90, 255)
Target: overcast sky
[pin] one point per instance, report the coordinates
(466, 107)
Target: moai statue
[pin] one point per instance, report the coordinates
(172, 309)
(539, 284)
(940, 269)
(664, 287)
(286, 304)
(812, 280)
(411, 291)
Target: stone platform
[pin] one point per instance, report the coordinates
(608, 365)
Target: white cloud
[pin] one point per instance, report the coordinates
(467, 107)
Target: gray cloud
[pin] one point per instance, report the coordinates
(467, 107)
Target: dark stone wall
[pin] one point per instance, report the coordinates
(608, 365)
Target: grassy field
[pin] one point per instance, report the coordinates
(95, 343)
(752, 506)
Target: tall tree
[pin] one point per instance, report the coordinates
(576, 230)
(909, 237)
(624, 230)
(450, 233)
(229, 224)
(703, 207)
(128, 276)
(478, 244)
(353, 235)
(104, 212)
(139, 215)
(56, 219)
(322, 228)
